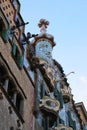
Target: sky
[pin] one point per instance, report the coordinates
(68, 25)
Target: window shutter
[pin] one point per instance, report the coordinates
(46, 123)
(71, 122)
(70, 119)
(14, 49)
(20, 61)
(61, 121)
(74, 125)
(42, 90)
(5, 34)
(58, 95)
(55, 90)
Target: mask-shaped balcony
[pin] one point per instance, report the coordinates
(62, 127)
(49, 105)
(66, 92)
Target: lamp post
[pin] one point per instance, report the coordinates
(72, 72)
(60, 80)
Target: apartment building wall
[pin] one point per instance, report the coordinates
(16, 87)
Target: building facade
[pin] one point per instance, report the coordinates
(34, 92)
(16, 88)
(56, 107)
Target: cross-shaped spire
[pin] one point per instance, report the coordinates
(43, 25)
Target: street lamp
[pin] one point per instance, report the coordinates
(72, 72)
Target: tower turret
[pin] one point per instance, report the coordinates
(43, 43)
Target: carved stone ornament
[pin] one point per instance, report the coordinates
(66, 92)
(60, 127)
(50, 104)
(50, 73)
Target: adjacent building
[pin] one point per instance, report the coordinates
(34, 92)
(16, 88)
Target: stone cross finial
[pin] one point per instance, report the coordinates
(43, 25)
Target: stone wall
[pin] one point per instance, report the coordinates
(27, 87)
